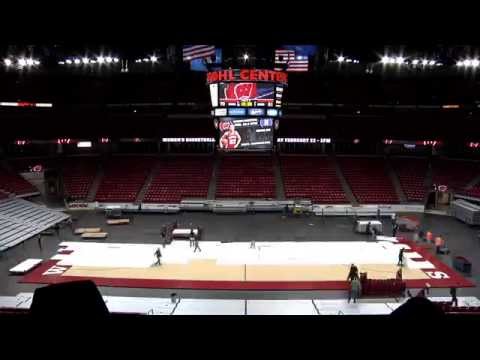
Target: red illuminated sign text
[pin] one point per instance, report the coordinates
(247, 75)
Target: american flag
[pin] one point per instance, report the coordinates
(192, 52)
(288, 57)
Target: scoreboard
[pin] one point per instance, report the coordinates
(259, 90)
(246, 104)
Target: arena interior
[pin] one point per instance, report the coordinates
(214, 179)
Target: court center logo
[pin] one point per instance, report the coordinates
(242, 91)
(55, 270)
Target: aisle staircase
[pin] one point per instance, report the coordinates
(212, 187)
(148, 182)
(346, 188)
(396, 182)
(280, 189)
(95, 184)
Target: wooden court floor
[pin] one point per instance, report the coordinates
(210, 270)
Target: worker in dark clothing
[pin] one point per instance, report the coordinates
(394, 230)
(453, 293)
(70, 224)
(57, 230)
(192, 238)
(163, 234)
(399, 274)
(368, 228)
(158, 254)
(400, 257)
(421, 235)
(40, 241)
(355, 290)
(197, 245)
(353, 273)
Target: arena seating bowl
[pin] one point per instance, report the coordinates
(246, 177)
(179, 178)
(123, 178)
(311, 177)
(411, 172)
(455, 174)
(78, 176)
(368, 180)
(11, 182)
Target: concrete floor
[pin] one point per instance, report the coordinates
(145, 228)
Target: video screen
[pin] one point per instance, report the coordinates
(246, 94)
(245, 134)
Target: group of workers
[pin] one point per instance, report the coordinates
(166, 234)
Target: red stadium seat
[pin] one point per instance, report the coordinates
(455, 174)
(78, 176)
(313, 178)
(411, 172)
(123, 178)
(368, 180)
(180, 178)
(246, 177)
(11, 182)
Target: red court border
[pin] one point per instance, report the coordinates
(454, 280)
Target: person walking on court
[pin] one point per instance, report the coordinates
(394, 229)
(70, 224)
(453, 293)
(192, 238)
(438, 244)
(429, 236)
(399, 274)
(40, 241)
(197, 245)
(355, 290)
(368, 228)
(164, 234)
(394, 219)
(353, 273)
(400, 257)
(158, 254)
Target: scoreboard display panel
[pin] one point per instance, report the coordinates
(246, 105)
(246, 88)
(246, 94)
(248, 134)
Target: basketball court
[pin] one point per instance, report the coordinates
(241, 265)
